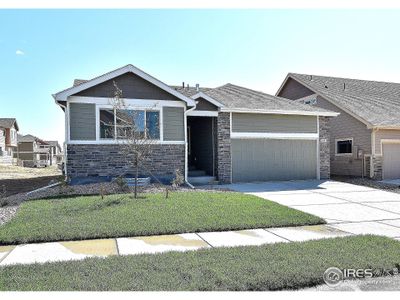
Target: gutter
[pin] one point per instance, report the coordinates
(186, 146)
(281, 112)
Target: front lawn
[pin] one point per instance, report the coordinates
(88, 217)
(268, 267)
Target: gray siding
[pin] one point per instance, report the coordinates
(82, 121)
(25, 147)
(294, 90)
(132, 86)
(173, 124)
(242, 122)
(205, 105)
(385, 134)
(346, 126)
(270, 159)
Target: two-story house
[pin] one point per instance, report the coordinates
(8, 140)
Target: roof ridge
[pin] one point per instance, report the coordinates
(344, 78)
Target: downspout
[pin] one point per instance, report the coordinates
(66, 133)
(186, 146)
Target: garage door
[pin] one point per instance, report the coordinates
(268, 159)
(391, 161)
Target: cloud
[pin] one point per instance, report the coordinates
(19, 52)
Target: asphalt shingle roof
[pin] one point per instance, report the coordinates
(7, 122)
(378, 103)
(237, 97)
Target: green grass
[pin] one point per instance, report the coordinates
(269, 267)
(119, 215)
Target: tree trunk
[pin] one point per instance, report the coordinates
(136, 176)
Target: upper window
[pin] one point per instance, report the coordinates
(129, 124)
(344, 146)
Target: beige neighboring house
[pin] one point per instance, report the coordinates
(33, 152)
(56, 155)
(8, 140)
(365, 137)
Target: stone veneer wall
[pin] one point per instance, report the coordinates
(324, 148)
(108, 160)
(224, 160)
(377, 162)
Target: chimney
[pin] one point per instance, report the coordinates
(197, 87)
(344, 86)
(183, 84)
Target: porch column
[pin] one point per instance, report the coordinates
(224, 160)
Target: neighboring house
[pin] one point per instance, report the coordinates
(33, 152)
(228, 133)
(56, 155)
(365, 137)
(8, 140)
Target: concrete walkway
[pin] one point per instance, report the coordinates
(76, 250)
(347, 207)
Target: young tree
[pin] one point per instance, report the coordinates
(136, 131)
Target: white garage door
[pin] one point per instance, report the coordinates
(391, 161)
(269, 159)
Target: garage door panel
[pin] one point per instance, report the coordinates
(268, 159)
(391, 161)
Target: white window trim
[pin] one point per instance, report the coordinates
(203, 113)
(274, 135)
(115, 140)
(342, 140)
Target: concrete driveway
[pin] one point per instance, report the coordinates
(347, 207)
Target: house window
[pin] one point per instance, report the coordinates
(131, 124)
(107, 122)
(344, 146)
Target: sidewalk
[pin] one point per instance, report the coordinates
(76, 250)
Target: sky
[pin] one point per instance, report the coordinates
(43, 51)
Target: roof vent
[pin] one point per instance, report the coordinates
(311, 78)
(326, 86)
(197, 87)
(183, 84)
(344, 86)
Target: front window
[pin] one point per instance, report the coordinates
(129, 124)
(107, 124)
(344, 146)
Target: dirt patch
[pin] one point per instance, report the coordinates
(16, 172)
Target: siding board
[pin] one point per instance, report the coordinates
(242, 122)
(82, 121)
(173, 124)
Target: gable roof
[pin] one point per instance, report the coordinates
(80, 85)
(8, 123)
(29, 138)
(375, 103)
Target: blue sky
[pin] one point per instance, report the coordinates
(42, 51)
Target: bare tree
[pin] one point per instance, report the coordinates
(136, 130)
